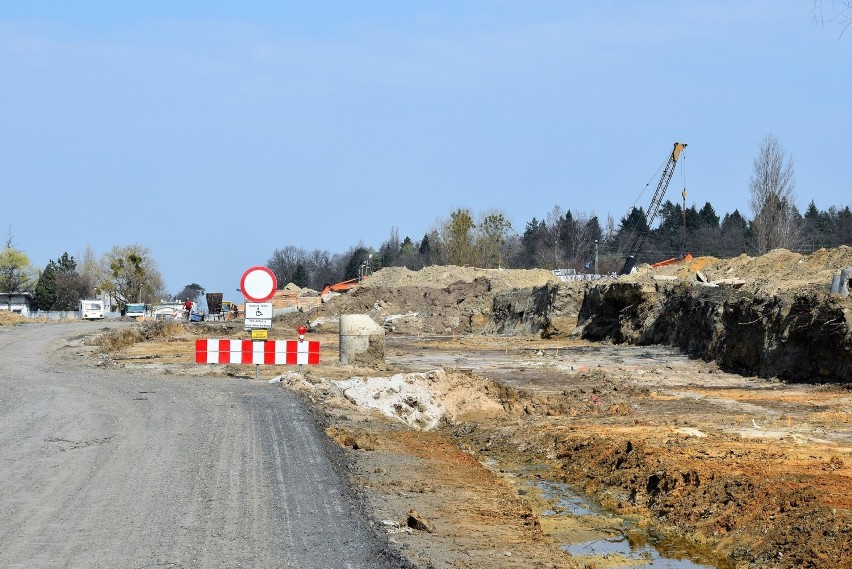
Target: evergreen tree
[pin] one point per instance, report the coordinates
(300, 276)
(734, 234)
(44, 296)
(66, 263)
(407, 248)
(533, 244)
(707, 216)
(357, 259)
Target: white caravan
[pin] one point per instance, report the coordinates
(91, 309)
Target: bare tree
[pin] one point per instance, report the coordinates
(841, 13)
(555, 219)
(91, 271)
(772, 199)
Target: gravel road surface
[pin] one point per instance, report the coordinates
(104, 468)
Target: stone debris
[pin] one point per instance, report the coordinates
(418, 522)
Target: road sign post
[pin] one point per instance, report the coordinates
(258, 285)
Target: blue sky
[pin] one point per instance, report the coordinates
(215, 132)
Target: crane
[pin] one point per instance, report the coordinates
(653, 208)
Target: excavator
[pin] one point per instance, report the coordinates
(343, 286)
(653, 208)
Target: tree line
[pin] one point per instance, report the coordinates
(561, 239)
(125, 274)
(571, 239)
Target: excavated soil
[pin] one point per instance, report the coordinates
(492, 408)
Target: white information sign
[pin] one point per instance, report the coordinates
(258, 315)
(259, 310)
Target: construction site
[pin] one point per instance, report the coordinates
(692, 415)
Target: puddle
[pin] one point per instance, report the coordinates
(567, 502)
(637, 548)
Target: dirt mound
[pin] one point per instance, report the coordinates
(441, 276)
(420, 400)
(777, 270)
(438, 300)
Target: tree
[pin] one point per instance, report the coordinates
(357, 259)
(707, 216)
(772, 198)
(90, 272)
(389, 251)
(409, 256)
(456, 239)
(734, 234)
(631, 227)
(425, 250)
(190, 291)
(130, 274)
(817, 228)
(300, 276)
(842, 16)
(66, 262)
(283, 262)
(555, 219)
(533, 244)
(44, 295)
(491, 235)
(16, 274)
(70, 289)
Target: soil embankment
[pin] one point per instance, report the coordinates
(771, 316)
(774, 318)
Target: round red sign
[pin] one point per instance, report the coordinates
(258, 284)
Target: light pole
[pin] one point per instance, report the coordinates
(596, 256)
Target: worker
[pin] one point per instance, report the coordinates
(235, 310)
(187, 308)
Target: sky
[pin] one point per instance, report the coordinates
(215, 132)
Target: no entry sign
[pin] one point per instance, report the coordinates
(258, 284)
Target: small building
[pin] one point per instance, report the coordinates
(17, 302)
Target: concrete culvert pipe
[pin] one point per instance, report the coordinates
(361, 339)
(835, 283)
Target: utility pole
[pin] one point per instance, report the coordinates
(596, 256)
(683, 234)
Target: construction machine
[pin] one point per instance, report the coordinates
(653, 208)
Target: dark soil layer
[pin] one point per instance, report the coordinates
(799, 336)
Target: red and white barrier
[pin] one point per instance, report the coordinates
(270, 352)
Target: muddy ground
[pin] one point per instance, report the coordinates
(495, 434)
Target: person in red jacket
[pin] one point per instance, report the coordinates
(187, 307)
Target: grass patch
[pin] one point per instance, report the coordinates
(10, 318)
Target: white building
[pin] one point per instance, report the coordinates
(18, 302)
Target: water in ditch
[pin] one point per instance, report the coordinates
(637, 547)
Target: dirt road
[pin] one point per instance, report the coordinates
(103, 468)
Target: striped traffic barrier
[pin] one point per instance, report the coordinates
(270, 352)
